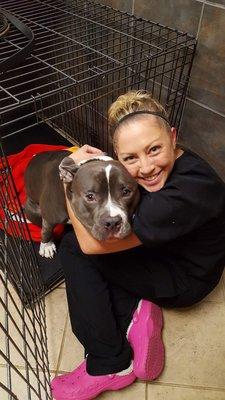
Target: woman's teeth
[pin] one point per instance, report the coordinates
(151, 178)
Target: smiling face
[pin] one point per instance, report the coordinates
(147, 149)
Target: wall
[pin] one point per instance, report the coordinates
(203, 122)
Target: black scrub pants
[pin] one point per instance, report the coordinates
(103, 292)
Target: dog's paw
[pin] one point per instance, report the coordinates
(47, 249)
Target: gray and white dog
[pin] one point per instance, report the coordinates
(101, 193)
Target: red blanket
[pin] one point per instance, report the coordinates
(12, 188)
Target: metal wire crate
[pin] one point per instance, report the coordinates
(84, 56)
(24, 367)
(23, 340)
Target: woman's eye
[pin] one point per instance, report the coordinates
(128, 158)
(154, 149)
(90, 196)
(126, 191)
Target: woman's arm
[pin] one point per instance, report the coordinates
(90, 245)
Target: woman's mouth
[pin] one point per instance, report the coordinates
(151, 180)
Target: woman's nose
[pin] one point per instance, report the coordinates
(146, 166)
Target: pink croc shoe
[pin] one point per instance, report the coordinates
(79, 385)
(65, 378)
(144, 335)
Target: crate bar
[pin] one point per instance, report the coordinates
(12, 365)
(82, 18)
(20, 314)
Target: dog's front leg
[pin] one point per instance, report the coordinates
(47, 246)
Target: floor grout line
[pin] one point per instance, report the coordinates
(157, 383)
(183, 385)
(62, 344)
(146, 391)
(213, 301)
(223, 287)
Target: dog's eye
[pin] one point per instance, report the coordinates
(126, 191)
(90, 196)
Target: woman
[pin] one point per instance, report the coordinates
(174, 257)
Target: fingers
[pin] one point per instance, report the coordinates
(92, 150)
(85, 152)
(74, 156)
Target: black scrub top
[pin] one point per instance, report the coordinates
(184, 223)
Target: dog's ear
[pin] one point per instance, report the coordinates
(67, 169)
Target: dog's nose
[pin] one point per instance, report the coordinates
(112, 223)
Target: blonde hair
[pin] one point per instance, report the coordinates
(132, 101)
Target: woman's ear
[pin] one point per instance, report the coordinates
(115, 151)
(173, 136)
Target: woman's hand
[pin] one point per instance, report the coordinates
(85, 153)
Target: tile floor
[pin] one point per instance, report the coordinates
(195, 350)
